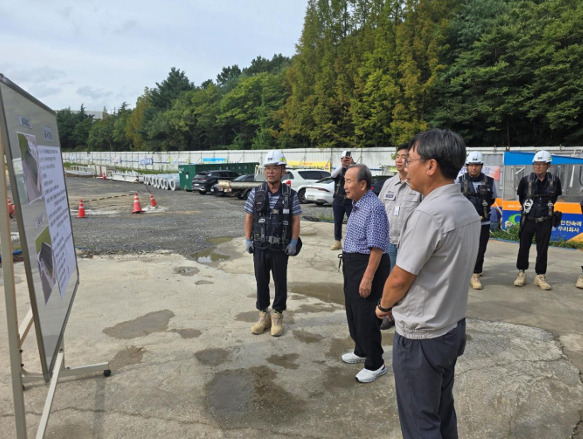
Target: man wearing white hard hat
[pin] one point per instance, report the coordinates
(340, 205)
(480, 190)
(538, 193)
(272, 231)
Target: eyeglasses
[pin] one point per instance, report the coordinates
(408, 160)
(539, 164)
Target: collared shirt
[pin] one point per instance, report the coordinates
(273, 197)
(367, 226)
(439, 246)
(399, 200)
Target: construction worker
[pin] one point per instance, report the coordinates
(272, 230)
(480, 190)
(341, 205)
(538, 193)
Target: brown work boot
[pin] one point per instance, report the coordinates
(262, 324)
(579, 283)
(277, 327)
(337, 246)
(520, 279)
(540, 281)
(475, 282)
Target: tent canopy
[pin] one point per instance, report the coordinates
(525, 158)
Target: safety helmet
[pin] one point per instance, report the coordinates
(475, 158)
(542, 156)
(274, 157)
(345, 154)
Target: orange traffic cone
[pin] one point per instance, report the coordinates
(81, 213)
(152, 201)
(103, 176)
(137, 205)
(11, 208)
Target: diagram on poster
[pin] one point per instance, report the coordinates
(57, 208)
(30, 166)
(46, 263)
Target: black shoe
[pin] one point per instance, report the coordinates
(387, 323)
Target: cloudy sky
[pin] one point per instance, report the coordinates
(101, 53)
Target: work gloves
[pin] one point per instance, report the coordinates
(249, 246)
(290, 250)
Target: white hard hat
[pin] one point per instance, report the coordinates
(474, 158)
(274, 157)
(542, 156)
(345, 153)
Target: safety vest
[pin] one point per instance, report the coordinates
(483, 198)
(543, 206)
(272, 226)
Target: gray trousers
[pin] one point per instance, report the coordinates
(424, 374)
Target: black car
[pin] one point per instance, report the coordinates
(204, 181)
(377, 183)
(242, 193)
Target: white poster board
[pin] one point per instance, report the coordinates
(37, 181)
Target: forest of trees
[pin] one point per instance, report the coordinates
(373, 73)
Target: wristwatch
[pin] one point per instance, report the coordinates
(383, 309)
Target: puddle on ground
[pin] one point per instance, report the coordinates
(318, 307)
(127, 357)
(245, 398)
(203, 282)
(186, 271)
(330, 293)
(209, 256)
(219, 240)
(187, 332)
(212, 357)
(339, 378)
(306, 336)
(286, 361)
(340, 346)
(152, 322)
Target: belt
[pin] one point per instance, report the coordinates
(540, 219)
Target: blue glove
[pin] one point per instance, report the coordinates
(290, 250)
(249, 246)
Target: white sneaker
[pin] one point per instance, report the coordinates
(368, 376)
(352, 358)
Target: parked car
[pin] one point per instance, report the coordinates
(377, 183)
(299, 179)
(321, 192)
(204, 181)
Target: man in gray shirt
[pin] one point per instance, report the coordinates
(427, 291)
(399, 200)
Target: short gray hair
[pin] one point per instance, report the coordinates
(363, 174)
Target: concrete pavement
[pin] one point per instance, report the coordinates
(176, 332)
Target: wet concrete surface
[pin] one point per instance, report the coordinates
(176, 331)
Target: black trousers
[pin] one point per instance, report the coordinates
(542, 234)
(363, 324)
(424, 376)
(340, 207)
(484, 237)
(266, 261)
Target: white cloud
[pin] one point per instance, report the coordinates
(101, 54)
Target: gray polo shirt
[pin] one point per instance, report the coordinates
(439, 245)
(399, 200)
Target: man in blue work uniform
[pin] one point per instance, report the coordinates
(272, 230)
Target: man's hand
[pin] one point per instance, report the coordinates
(381, 314)
(249, 246)
(365, 287)
(290, 250)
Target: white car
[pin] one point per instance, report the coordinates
(321, 192)
(299, 179)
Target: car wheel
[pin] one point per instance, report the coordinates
(245, 194)
(202, 191)
(319, 203)
(302, 196)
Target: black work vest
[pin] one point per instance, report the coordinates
(272, 227)
(542, 194)
(483, 198)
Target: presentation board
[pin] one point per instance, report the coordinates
(37, 180)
